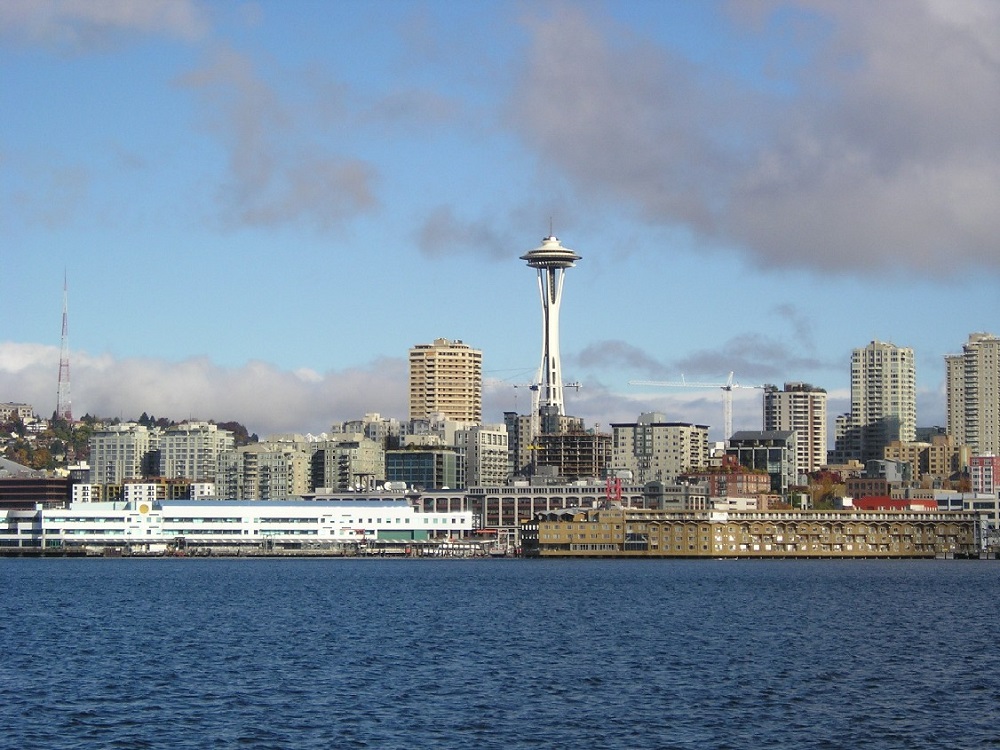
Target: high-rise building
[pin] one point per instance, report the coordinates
(973, 394)
(446, 378)
(802, 408)
(551, 260)
(883, 403)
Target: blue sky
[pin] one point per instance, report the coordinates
(261, 206)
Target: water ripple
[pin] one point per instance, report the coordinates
(499, 654)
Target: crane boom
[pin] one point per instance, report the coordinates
(727, 394)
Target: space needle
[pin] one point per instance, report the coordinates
(551, 259)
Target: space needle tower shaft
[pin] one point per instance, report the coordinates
(551, 260)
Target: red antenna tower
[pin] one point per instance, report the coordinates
(63, 409)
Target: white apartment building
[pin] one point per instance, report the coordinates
(202, 491)
(383, 430)
(192, 451)
(266, 471)
(436, 429)
(802, 408)
(656, 450)
(446, 377)
(487, 455)
(122, 452)
(973, 393)
(82, 492)
(144, 493)
(12, 411)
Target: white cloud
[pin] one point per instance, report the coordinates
(261, 396)
(269, 400)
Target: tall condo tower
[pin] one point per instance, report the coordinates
(973, 384)
(551, 259)
(63, 409)
(800, 407)
(446, 377)
(883, 402)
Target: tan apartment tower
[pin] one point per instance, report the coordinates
(446, 378)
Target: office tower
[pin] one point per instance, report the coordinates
(551, 260)
(446, 378)
(802, 408)
(883, 402)
(973, 393)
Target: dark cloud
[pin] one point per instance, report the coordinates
(875, 149)
(82, 25)
(752, 357)
(409, 108)
(801, 326)
(47, 196)
(443, 234)
(616, 353)
(275, 175)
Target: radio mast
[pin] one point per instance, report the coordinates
(63, 408)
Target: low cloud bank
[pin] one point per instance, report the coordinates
(260, 395)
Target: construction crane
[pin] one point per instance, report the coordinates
(533, 414)
(535, 389)
(727, 395)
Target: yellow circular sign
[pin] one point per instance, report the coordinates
(144, 508)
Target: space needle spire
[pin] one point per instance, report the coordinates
(551, 260)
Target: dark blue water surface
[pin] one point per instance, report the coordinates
(336, 653)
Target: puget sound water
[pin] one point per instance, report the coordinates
(341, 653)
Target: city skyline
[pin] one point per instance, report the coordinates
(259, 211)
